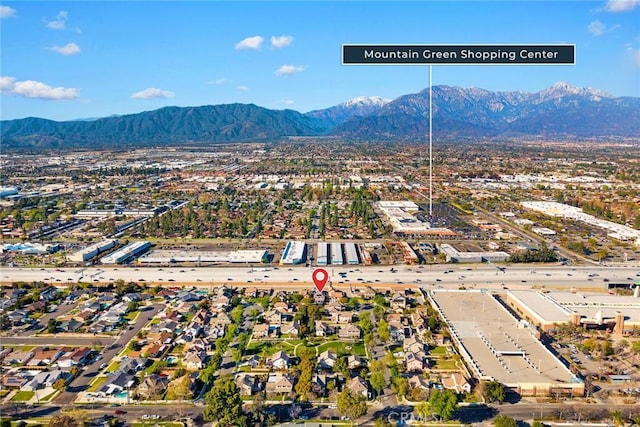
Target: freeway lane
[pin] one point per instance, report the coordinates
(482, 275)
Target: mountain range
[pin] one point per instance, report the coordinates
(561, 111)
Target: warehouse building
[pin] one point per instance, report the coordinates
(322, 257)
(496, 346)
(351, 251)
(92, 251)
(294, 253)
(456, 256)
(336, 254)
(198, 257)
(549, 309)
(126, 253)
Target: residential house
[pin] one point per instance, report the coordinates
(457, 382)
(14, 380)
(413, 362)
(413, 345)
(319, 384)
(279, 383)
(323, 329)
(248, 384)
(132, 366)
(44, 379)
(279, 360)
(153, 386)
(49, 294)
(19, 357)
(194, 360)
(398, 302)
(319, 298)
(355, 362)
(73, 357)
(327, 359)
(291, 329)
(261, 331)
(69, 325)
(358, 386)
(116, 383)
(153, 350)
(282, 307)
(342, 317)
(44, 357)
(35, 306)
(350, 331)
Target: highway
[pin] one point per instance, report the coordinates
(595, 278)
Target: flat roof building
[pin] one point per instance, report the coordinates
(549, 309)
(294, 253)
(322, 257)
(352, 253)
(336, 254)
(233, 257)
(126, 253)
(497, 346)
(92, 251)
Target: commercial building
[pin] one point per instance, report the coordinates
(351, 252)
(294, 253)
(498, 347)
(322, 257)
(561, 210)
(126, 253)
(232, 257)
(456, 256)
(336, 254)
(92, 251)
(549, 309)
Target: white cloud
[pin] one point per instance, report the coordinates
(6, 83)
(621, 5)
(287, 70)
(60, 23)
(250, 43)
(153, 92)
(7, 12)
(34, 89)
(288, 102)
(220, 81)
(596, 28)
(243, 88)
(635, 55)
(68, 49)
(281, 41)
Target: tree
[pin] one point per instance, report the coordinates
(377, 381)
(224, 404)
(617, 418)
(400, 386)
(59, 384)
(341, 367)
(383, 331)
(537, 424)
(52, 326)
(351, 405)
(492, 391)
(443, 403)
(5, 322)
(504, 421)
(423, 410)
(63, 421)
(5, 422)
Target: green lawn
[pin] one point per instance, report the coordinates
(22, 396)
(96, 384)
(113, 366)
(445, 364)
(149, 423)
(440, 350)
(3, 393)
(342, 348)
(48, 397)
(130, 316)
(255, 347)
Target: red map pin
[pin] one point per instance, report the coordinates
(320, 277)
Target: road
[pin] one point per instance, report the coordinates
(480, 275)
(81, 382)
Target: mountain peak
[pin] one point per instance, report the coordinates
(367, 100)
(562, 89)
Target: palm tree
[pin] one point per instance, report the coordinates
(617, 418)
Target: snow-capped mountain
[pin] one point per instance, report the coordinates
(360, 106)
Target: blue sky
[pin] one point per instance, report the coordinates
(80, 59)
